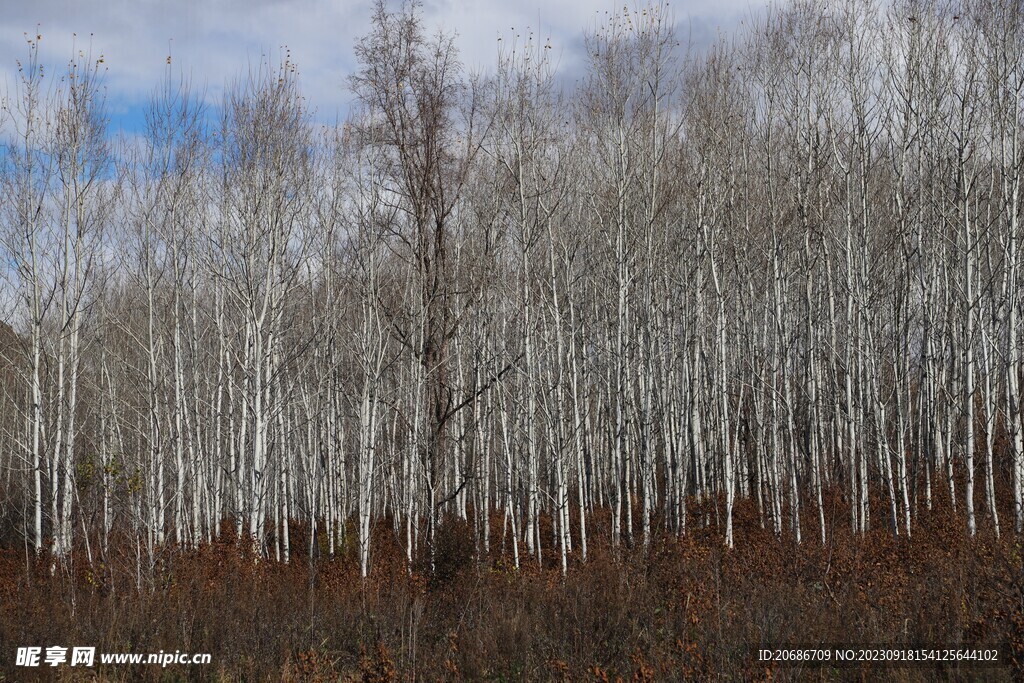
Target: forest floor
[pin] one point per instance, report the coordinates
(682, 609)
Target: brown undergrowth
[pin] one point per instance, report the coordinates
(681, 609)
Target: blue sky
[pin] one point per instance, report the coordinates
(212, 41)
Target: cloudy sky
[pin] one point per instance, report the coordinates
(212, 41)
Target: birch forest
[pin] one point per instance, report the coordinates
(763, 291)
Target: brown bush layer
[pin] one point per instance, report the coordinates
(683, 609)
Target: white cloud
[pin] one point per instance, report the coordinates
(212, 41)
